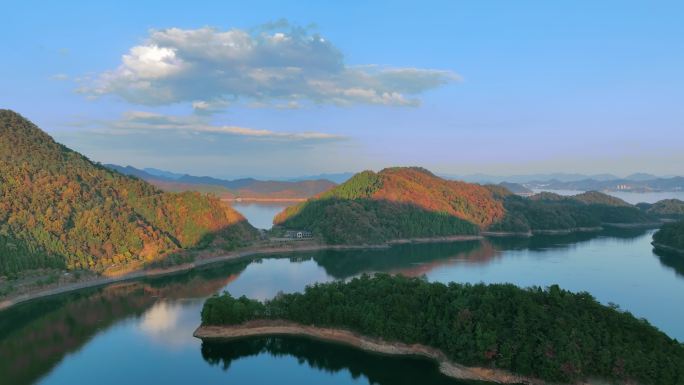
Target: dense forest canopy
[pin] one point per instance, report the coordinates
(552, 334)
(412, 202)
(671, 235)
(666, 208)
(59, 209)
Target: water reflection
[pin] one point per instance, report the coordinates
(35, 336)
(171, 323)
(146, 326)
(264, 278)
(331, 358)
(672, 260)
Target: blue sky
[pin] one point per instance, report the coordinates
(274, 88)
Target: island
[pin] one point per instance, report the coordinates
(495, 332)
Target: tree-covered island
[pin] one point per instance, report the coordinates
(550, 334)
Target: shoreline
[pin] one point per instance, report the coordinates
(177, 269)
(662, 247)
(568, 231)
(447, 367)
(260, 250)
(646, 225)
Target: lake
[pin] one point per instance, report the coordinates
(260, 215)
(141, 332)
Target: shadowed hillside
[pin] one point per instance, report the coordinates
(59, 209)
(395, 203)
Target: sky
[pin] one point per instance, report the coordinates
(285, 89)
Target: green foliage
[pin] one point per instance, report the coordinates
(524, 214)
(398, 202)
(548, 211)
(671, 235)
(598, 198)
(224, 309)
(666, 208)
(58, 209)
(552, 334)
(361, 185)
(369, 221)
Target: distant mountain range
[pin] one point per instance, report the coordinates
(548, 177)
(336, 177)
(245, 188)
(639, 184)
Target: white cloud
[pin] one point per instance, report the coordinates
(149, 121)
(275, 65)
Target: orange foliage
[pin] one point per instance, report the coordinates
(419, 187)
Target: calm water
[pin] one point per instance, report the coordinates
(260, 215)
(141, 332)
(629, 197)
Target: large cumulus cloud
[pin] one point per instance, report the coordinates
(275, 65)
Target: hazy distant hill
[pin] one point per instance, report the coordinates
(666, 208)
(58, 209)
(516, 188)
(412, 202)
(229, 189)
(337, 177)
(528, 178)
(638, 184)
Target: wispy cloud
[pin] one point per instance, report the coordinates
(150, 121)
(59, 77)
(276, 65)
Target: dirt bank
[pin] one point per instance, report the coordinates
(272, 328)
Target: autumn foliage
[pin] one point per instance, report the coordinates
(59, 209)
(412, 202)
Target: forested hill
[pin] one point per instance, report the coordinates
(58, 209)
(412, 203)
(666, 208)
(395, 203)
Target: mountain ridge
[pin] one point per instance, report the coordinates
(244, 188)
